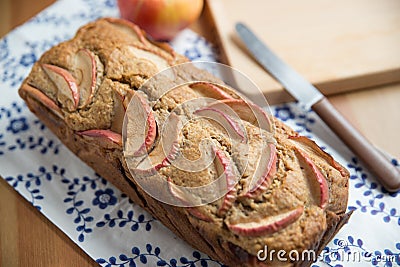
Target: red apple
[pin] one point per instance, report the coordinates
(44, 99)
(162, 19)
(317, 177)
(267, 225)
(210, 90)
(105, 136)
(234, 129)
(68, 92)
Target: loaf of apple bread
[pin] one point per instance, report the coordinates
(282, 191)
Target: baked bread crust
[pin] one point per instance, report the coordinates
(124, 58)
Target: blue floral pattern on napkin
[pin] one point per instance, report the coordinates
(102, 220)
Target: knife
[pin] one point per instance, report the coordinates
(310, 97)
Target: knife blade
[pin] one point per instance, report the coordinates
(310, 97)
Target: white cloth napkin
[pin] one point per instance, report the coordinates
(102, 220)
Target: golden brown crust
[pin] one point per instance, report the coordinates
(125, 60)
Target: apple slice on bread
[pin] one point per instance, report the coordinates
(76, 92)
(264, 172)
(210, 90)
(128, 27)
(266, 225)
(67, 88)
(42, 98)
(246, 111)
(141, 128)
(185, 200)
(316, 179)
(86, 66)
(234, 129)
(122, 94)
(225, 169)
(166, 149)
(106, 137)
(310, 146)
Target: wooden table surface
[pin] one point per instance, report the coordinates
(27, 238)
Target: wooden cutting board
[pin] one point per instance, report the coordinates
(338, 45)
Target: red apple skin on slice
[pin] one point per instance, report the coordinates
(308, 145)
(268, 225)
(151, 126)
(106, 135)
(85, 62)
(165, 151)
(68, 92)
(210, 90)
(122, 95)
(318, 176)
(128, 27)
(194, 211)
(141, 126)
(224, 167)
(44, 99)
(169, 146)
(233, 128)
(160, 62)
(146, 44)
(175, 191)
(146, 168)
(264, 173)
(246, 111)
(227, 203)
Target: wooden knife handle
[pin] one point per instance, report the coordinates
(386, 173)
